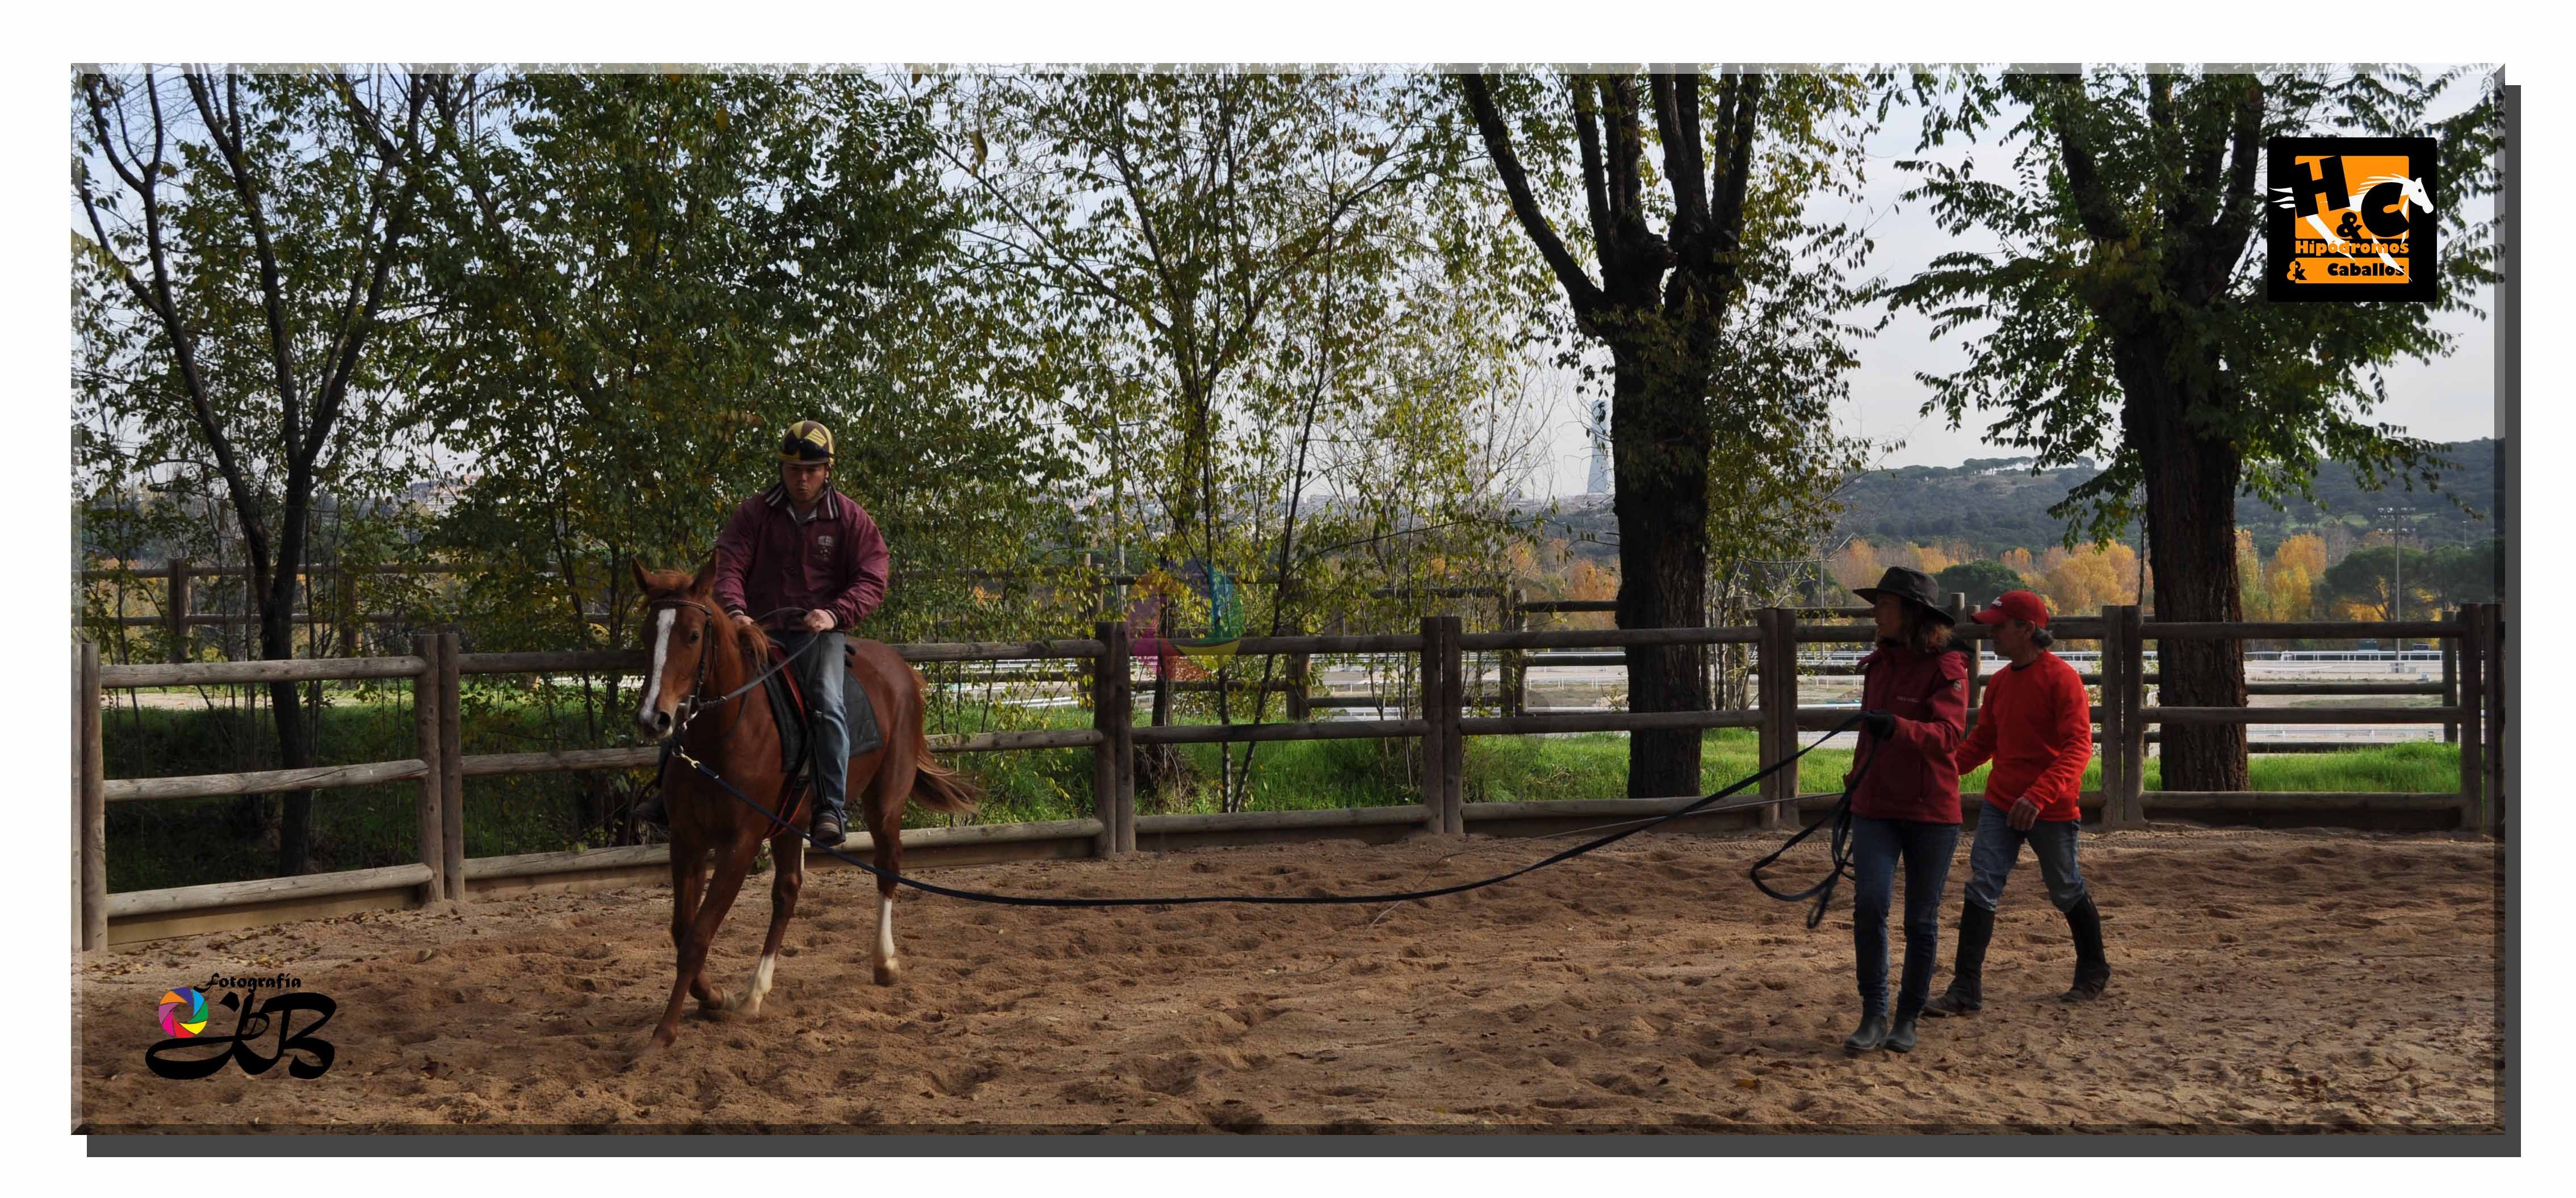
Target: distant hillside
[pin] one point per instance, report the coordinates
(1994, 504)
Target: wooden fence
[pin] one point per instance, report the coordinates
(436, 666)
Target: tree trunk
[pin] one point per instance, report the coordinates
(1660, 443)
(294, 742)
(2191, 484)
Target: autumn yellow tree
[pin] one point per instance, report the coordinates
(1856, 564)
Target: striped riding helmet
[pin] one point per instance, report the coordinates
(806, 442)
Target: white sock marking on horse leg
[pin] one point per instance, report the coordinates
(758, 987)
(661, 648)
(886, 964)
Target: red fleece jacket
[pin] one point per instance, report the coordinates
(1910, 777)
(2037, 725)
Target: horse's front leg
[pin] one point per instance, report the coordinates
(787, 852)
(732, 865)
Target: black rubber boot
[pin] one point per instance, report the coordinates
(827, 829)
(2092, 965)
(1871, 1036)
(1967, 990)
(1900, 1035)
(651, 811)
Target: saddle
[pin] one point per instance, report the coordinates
(796, 722)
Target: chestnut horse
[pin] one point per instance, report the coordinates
(699, 656)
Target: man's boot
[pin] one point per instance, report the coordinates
(1967, 990)
(2092, 966)
(828, 832)
(1900, 1035)
(1871, 1035)
(651, 811)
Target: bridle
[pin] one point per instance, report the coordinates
(692, 706)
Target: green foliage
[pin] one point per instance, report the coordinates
(1979, 580)
(2119, 234)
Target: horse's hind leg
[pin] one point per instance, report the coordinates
(884, 807)
(732, 865)
(787, 852)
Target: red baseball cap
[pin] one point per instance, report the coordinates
(2014, 605)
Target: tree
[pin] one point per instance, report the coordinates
(247, 235)
(1979, 580)
(2124, 314)
(1690, 366)
(1257, 290)
(646, 278)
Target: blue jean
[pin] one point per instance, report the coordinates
(1998, 848)
(1926, 847)
(820, 674)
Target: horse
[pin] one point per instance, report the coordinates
(701, 655)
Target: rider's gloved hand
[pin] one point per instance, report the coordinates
(1878, 723)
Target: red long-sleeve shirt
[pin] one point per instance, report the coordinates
(2037, 726)
(1910, 777)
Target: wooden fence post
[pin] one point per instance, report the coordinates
(1435, 751)
(176, 611)
(2470, 622)
(1301, 683)
(2498, 680)
(92, 821)
(2112, 743)
(432, 749)
(1776, 691)
(2133, 722)
(1515, 673)
(1113, 713)
(2451, 679)
(451, 765)
(1453, 745)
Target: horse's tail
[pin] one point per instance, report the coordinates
(935, 786)
(940, 788)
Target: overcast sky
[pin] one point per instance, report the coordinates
(2450, 399)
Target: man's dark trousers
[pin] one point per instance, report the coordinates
(821, 674)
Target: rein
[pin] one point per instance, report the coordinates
(698, 687)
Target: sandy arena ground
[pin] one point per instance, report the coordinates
(2264, 980)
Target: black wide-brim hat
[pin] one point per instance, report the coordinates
(1912, 585)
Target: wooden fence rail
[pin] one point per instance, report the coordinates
(2473, 637)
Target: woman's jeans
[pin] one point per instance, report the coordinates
(1926, 847)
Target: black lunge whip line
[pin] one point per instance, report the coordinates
(1841, 839)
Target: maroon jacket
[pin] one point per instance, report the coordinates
(1912, 775)
(766, 560)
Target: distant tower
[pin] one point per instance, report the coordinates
(1599, 429)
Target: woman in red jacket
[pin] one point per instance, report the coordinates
(1915, 691)
(2037, 725)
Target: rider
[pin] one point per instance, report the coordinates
(807, 561)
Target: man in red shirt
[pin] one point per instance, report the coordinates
(807, 561)
(2037, 726)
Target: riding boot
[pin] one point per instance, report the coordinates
(1900, 1035)
(827, 827)
(1871, 1035)
(651, 811)
(1967, 990)
(2092, 965)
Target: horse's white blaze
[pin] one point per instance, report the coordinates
(661, 650)
(758, 988)
(885, 929)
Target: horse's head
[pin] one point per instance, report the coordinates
(681, 627)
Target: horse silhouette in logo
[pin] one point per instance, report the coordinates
(2411, 195)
